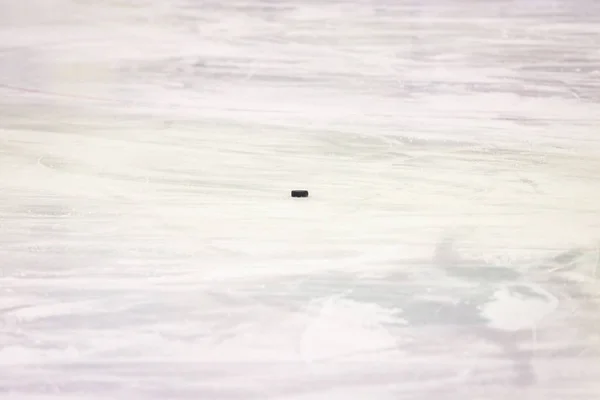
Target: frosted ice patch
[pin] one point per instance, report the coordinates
(517, 307)
(34, 312)
(23, 355)
(348, 329)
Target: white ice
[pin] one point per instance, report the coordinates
(149, 247)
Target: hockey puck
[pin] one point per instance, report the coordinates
(299, 193)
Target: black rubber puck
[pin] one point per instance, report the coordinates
(299, 193)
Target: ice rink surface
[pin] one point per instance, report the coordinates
(149, 248)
